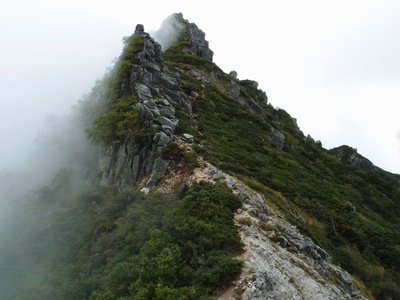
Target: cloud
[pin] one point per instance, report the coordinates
(367, 52)
(168, 32)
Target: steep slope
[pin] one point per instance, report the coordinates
(176, 137)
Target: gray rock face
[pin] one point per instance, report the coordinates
(197, 40)
(262, 97)
(233, 74)
(277, 138)
(361, 162)
(159, 169)
(170, 82)
(139, 29)
(233, 89)
(141, 91)
(199, 44)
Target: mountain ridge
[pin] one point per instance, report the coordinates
(199, 86)
(175, 136)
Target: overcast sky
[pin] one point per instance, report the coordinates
(332, 65)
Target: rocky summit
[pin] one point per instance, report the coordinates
(202, 189)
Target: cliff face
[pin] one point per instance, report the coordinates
(159, 93)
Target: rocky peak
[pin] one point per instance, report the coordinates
(197, 40)
(139, 29)
(156, 93)
(199, 44)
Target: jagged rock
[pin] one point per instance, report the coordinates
(162, 139)
(152, 67)
(164, 102)
(277, 138)
(159, 169)
(233, 74)
(346, 278)
(178, 98)
(139, 29)
(164, 121)
(262, 97)
(233, 89)
(170, 82)
(141, 91)
(200, 76)
(146, 113)
(166, 111)
(199, 43)
(167, 129)
(259, 96)
(126, 163)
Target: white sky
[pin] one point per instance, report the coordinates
(332, 65)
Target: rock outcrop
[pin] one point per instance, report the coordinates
(127, 163)
(199, 45)
(350, 155)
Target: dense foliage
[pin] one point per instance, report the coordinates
(119, 118)
(121, 122)
(105, 244)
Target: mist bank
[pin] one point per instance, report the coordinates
(62, 142)
(44, 184)
(35, 194)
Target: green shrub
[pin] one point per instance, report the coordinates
(122, 122)
(172, 151)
